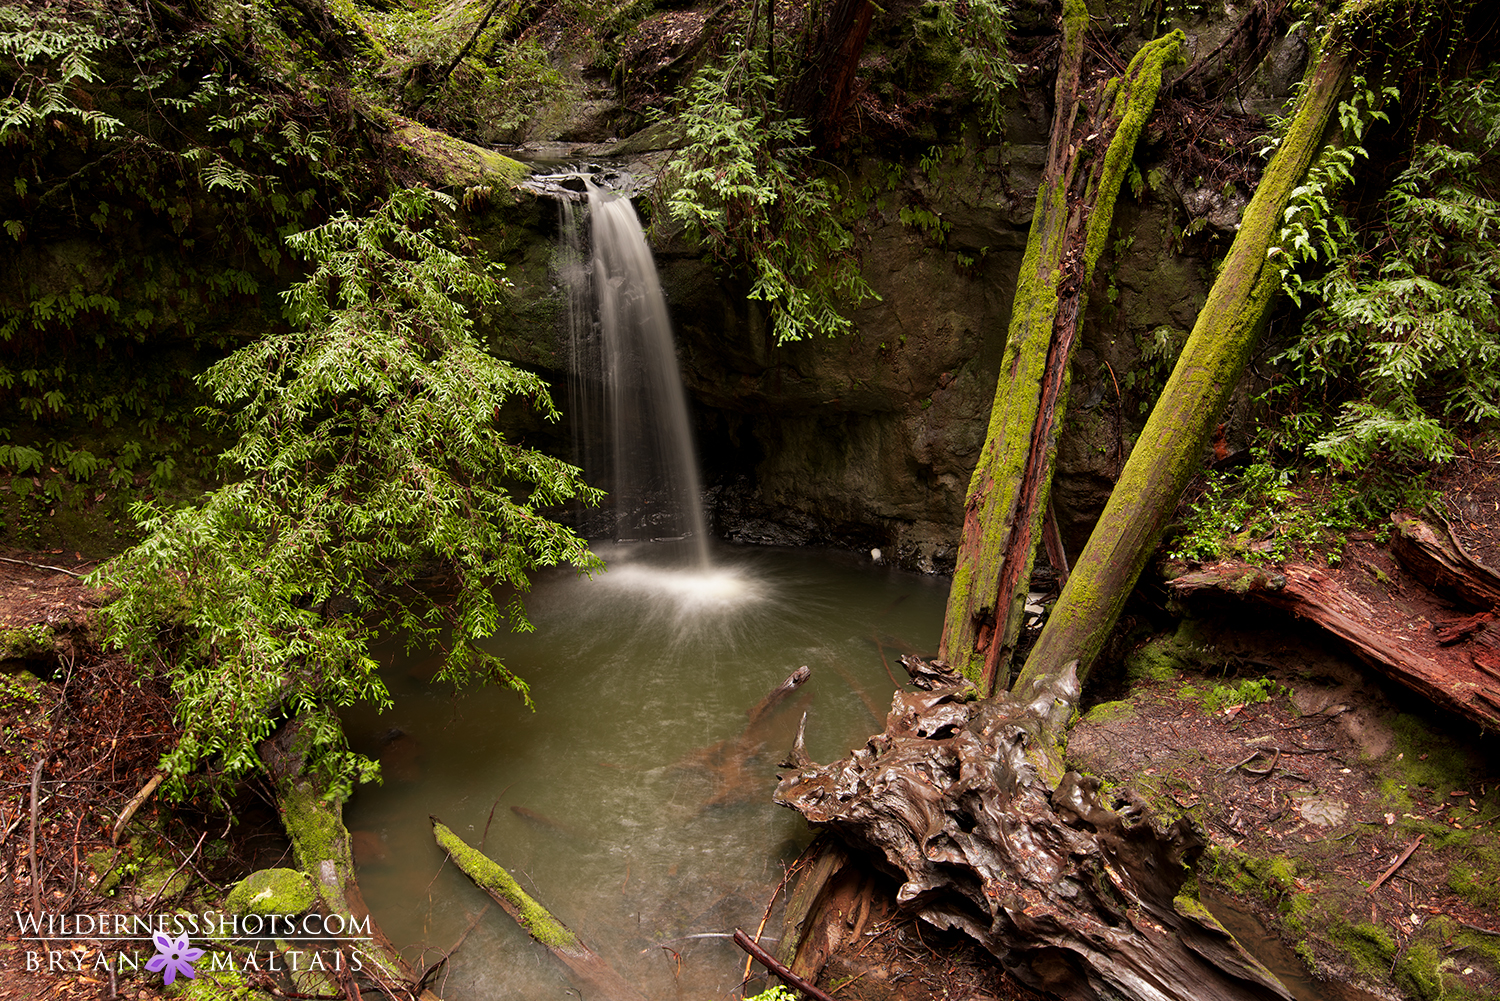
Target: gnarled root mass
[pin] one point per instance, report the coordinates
(965, 802)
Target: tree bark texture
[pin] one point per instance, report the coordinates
(1169, 449)
(1007, 497)
(825, 88)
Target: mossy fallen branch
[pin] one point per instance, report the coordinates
(594, 977)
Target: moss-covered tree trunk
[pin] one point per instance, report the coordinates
(1170, 448)
(321, 847)
(1074, 208)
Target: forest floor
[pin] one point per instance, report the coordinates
(1339, 811)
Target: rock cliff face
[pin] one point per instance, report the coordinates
(869, 440)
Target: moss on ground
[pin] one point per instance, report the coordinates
(1215, 698)
(1369, 948)
(1106, 712)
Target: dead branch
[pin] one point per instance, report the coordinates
(41, 566)
(765, 959)
(36, 873)
(1400, 861)
(134, 805)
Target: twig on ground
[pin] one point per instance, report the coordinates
(1400, 861)
(163, 888)
(41, 566)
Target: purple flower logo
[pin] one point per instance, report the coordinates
(172, 958)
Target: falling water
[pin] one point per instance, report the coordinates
(621, 340)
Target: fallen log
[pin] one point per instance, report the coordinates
(966, 803)
(1441, 563)
(1461, 677)
(594, 977)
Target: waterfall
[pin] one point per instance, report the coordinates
(625, 377)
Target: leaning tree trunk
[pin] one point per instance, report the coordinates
(968, 802)
(1074, 209)
(1170, 448)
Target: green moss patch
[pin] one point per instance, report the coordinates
(1216, 698)
(272, 891)
(1107, 712)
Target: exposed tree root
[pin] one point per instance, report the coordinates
(963, 801)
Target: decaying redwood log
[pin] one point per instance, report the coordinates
(829, 908)
(1437, 559)
(594, 977)
(964, 801)
(1459, 669)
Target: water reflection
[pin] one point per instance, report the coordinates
(635, 801)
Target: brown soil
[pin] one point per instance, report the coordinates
(97, 729)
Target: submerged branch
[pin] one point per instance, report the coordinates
(594, 977)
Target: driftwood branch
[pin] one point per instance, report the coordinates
(595, 978)
(765, 959)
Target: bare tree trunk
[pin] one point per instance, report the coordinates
(825, 88)
(1008, 493)
(1170, 447)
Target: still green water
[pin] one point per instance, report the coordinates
(632, 803)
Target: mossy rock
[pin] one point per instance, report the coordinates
(26, 643)
(272, 891)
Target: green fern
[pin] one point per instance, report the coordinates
(745, 186)
(1403, 341)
